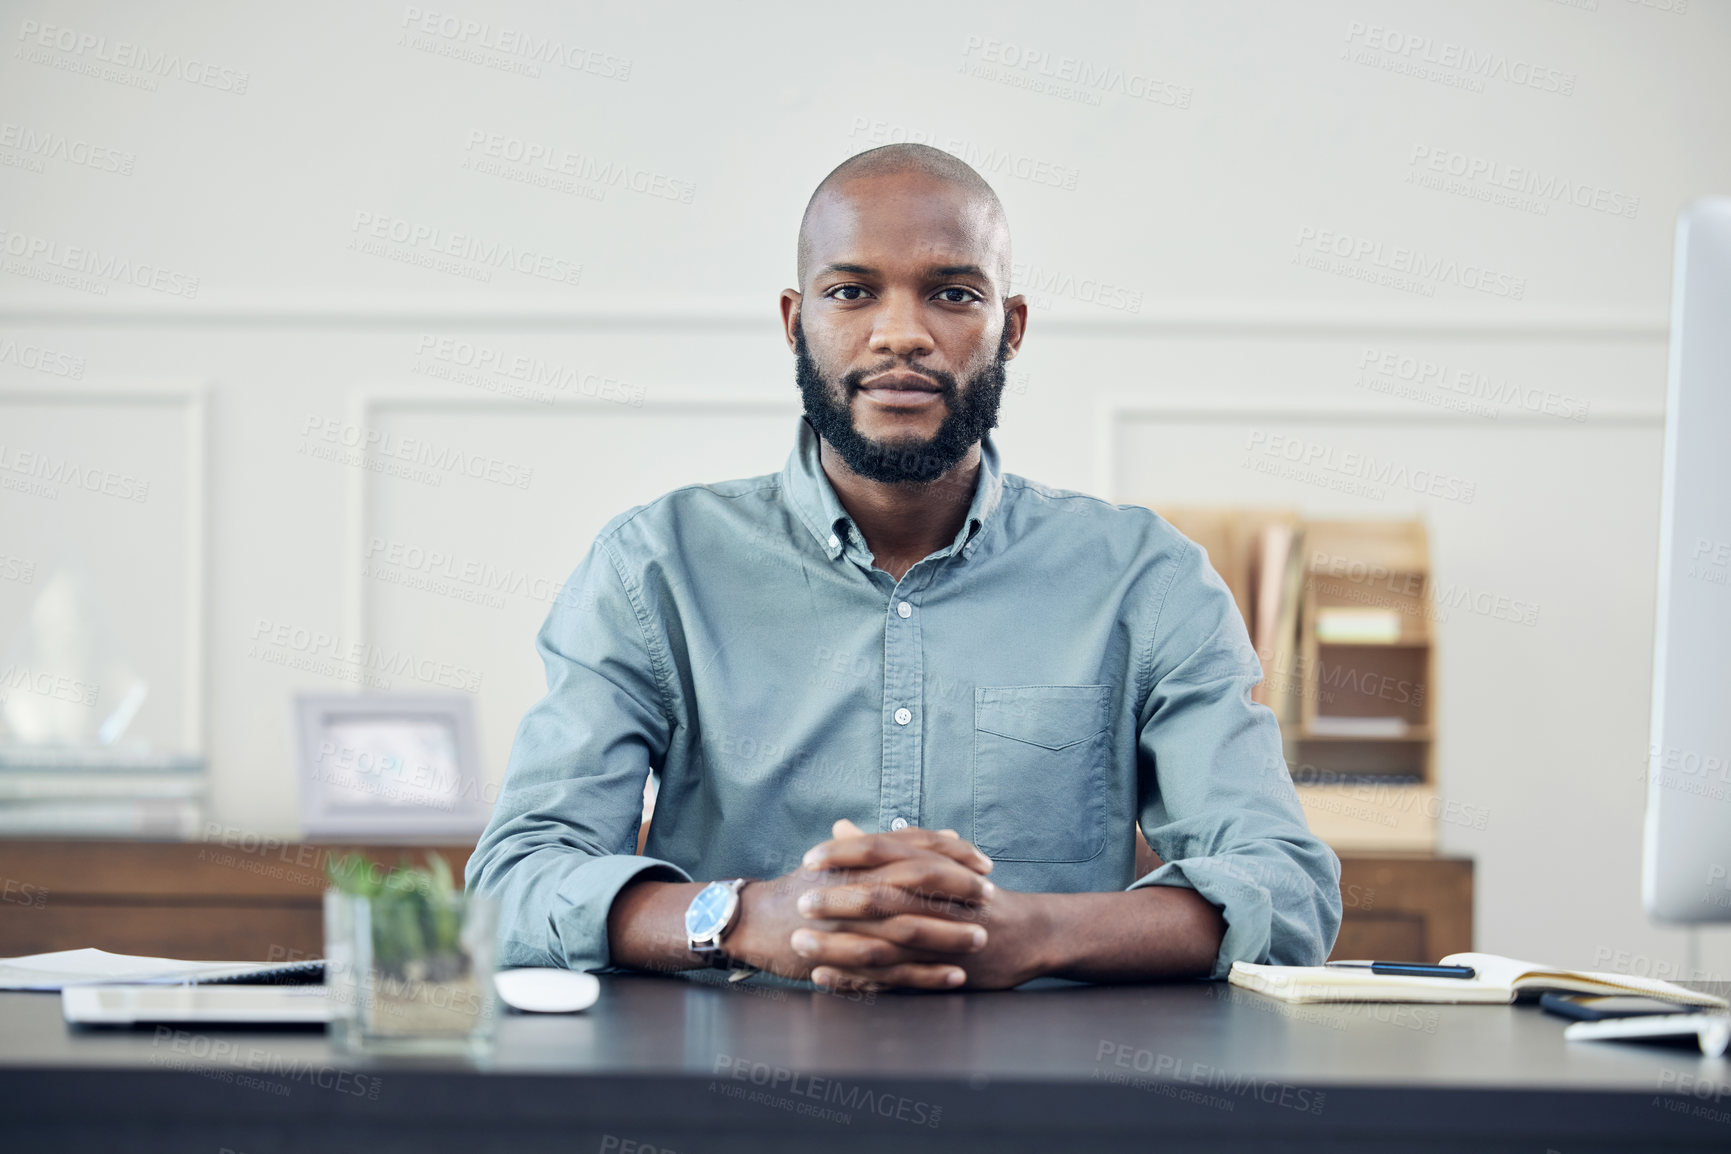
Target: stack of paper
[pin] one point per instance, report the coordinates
(99, 791)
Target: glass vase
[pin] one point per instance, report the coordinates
(411, 973)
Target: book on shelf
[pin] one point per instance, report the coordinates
(1273, 629)
(1268, 583)
(1497, 981)
(1280, 644)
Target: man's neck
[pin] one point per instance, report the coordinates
(904, 523)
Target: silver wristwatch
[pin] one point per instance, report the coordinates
(708, 918)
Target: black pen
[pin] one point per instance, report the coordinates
(1409, 969)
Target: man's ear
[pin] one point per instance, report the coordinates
(790, 301)
(1015, 324)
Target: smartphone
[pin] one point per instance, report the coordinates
(1598, 1007)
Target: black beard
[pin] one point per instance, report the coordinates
(970, 413)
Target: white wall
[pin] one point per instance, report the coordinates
(1165, 218)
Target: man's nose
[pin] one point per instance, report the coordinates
(900, 327)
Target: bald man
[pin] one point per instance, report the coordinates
(906, 711)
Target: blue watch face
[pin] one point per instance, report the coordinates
(707, 913)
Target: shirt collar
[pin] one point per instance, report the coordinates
(814, 501)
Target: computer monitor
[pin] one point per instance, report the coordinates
(1687, 867)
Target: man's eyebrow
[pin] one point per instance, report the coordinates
(947, 270)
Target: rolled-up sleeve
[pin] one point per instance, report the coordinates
(560, 844)
(1215, 799)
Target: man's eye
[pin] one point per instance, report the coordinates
(958, 296)
(840, 292)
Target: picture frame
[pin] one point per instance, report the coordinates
(390, 766)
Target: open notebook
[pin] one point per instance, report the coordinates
(94, 967)
(1499, 980)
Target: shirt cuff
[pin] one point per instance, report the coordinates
(585, 897)
(1246, 908)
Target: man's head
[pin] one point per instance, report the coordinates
(901, 324)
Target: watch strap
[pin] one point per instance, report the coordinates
(717, 955)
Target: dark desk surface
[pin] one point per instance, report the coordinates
(667, 1064)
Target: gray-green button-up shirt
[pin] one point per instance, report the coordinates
(1060, 671)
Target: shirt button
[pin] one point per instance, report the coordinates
(903, 717)
(834, 540)
(899, 823)
(904, 610)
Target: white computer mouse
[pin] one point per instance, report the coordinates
(544, 990)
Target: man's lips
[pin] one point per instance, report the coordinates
(901, 383)
(904, 391)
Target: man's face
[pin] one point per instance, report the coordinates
(970, 412)
(901, 332)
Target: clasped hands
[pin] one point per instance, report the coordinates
(913, 908)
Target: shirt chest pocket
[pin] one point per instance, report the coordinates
(1040, 771)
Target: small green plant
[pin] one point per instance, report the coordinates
(417, 915)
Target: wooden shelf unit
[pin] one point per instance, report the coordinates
(1288, 576)
(1366, 791)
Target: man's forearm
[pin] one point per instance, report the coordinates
(646, 926)
(1130, 935)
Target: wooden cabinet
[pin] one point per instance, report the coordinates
(1408, 907)
(257, 900)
